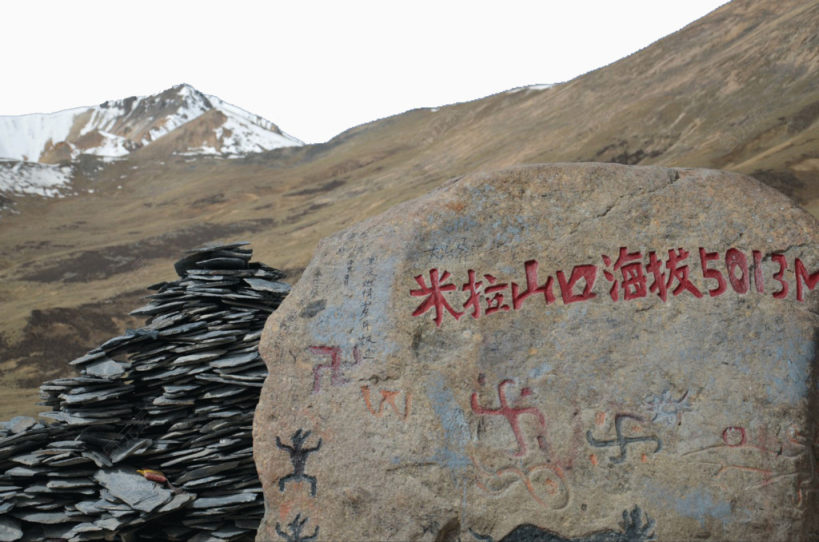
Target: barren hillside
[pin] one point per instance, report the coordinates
(736, 90)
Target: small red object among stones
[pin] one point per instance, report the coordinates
(153, 475)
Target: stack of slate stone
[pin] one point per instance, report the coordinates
(153, 440)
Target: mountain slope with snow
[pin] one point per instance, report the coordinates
(26, 178)
(117, 128)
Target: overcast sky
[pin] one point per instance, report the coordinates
(316, 68)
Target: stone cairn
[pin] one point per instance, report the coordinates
(153, 440)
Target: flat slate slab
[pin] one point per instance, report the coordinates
(557, 352)
(133, 489)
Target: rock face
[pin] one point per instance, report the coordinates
(561, 352)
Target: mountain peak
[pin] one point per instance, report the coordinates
(179, 120)
(184, 88)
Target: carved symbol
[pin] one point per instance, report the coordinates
(336, 378)
(512, 414)
(545, 482)
(765, 461)
(295, 527)
(388, 397)
(621, 441)
(807, 480)
(298, 456)
(734, 436)
(633, 530)
(665, 409)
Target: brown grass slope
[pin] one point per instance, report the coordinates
(735, 90)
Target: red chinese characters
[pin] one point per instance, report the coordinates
(493, 304)
(435, 296)
(629, 275)
(673, 272)
(532, 288)
(633, 277)
(567, 287)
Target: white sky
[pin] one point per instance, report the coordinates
(316, 68)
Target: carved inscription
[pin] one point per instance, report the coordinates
(806, 447)
(628, 275)
(434, 294)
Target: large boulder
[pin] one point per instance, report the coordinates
(573, 351)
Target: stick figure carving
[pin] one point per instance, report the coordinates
(295, 527)
(298, 456)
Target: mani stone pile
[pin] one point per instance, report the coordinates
(153, 440)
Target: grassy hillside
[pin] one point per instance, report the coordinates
(736, 90)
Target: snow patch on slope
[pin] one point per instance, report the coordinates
(239, 137)
(250, 133)
(27, 178)
(530, 88)
(243, 132)
(25, 136)
(104, 118)
(113, 146)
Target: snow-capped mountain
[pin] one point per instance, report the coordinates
(180, 120)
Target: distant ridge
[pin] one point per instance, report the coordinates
(200, 124)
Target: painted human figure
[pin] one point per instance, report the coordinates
(298, 457)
